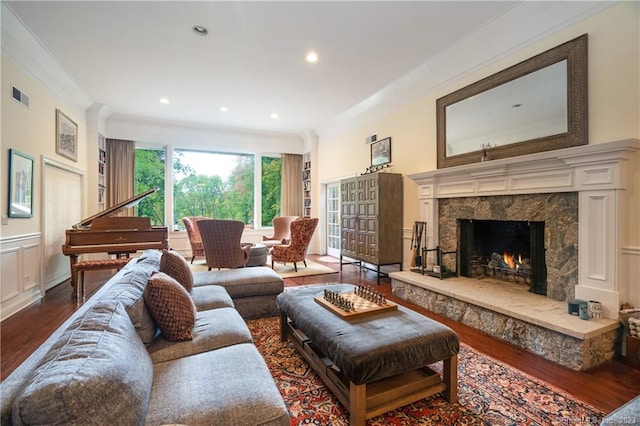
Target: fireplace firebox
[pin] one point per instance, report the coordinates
(504, 249)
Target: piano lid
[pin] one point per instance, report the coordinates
(86, 223)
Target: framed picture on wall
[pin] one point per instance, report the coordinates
(66, 136)
(381, 152)
(20, 184)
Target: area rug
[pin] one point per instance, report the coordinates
(489, 392)
(285, 271)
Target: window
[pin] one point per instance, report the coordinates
(223, 185)
(271, 179)
(149, 174)
(213, 184)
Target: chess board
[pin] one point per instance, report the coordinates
(362, 306)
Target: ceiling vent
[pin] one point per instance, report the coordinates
(371, 139)
(19, 96)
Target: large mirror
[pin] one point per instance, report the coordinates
(537, 105)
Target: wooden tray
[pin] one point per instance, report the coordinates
(363, 306)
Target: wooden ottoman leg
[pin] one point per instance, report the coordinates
(450, 373)
(283, 327)
(357, 404)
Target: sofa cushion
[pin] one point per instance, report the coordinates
(213, 329)
(97, 372)
(129, 291)
(210, 297)
(173, 264)
(243, 282)
(170, 306)
(228, 386)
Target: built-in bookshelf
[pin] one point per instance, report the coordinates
(306, 184)
(102, 158)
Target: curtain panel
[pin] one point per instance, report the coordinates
(291, 193)
(120, 171)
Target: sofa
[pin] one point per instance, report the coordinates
(628, 414)
(155, 345)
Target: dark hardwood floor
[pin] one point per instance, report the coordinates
(605, 387)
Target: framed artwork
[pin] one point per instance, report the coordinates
(20, 184)
(381, 152)
(66, 136)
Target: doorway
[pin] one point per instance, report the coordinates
(333, 219)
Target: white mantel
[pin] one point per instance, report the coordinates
(604, 175)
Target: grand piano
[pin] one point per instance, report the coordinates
(119, 235)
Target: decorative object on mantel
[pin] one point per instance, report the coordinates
(485, 151)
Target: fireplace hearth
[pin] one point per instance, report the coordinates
(510, 250)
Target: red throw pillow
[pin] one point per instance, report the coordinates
(170, 307)
(173, 264)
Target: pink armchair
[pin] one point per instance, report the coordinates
(221, 242)
(194, 235)
(281, 231)
(301, 232)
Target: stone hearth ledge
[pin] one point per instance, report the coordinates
(586, 343)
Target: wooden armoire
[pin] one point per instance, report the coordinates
(371, 220)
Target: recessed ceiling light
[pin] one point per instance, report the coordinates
(224, 109)
(164, 100)
(274, 115)
(312, 57)
(200, 30)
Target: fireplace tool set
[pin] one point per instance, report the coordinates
(419, 230)
(420, 254)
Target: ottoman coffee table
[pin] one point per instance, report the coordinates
(372, 363)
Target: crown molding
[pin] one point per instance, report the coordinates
(19, 44)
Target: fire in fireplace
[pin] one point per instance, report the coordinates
(504, 249)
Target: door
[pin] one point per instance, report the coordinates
(333, 219)
(62, 198)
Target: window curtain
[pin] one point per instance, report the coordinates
(291, 192)
(119, 172)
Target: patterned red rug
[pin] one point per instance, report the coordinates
(490, 392)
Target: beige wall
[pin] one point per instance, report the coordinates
(32, 131)
(614, 108)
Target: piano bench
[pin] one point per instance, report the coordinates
(94, 265)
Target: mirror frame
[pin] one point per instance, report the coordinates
(575, 52)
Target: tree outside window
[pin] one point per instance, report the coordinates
(211, 184)
(149, 174)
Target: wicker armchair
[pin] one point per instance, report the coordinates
(301, 232)
(194, 235)
(281, 231)
(221, 241)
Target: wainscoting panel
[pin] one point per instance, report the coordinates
(21, 260)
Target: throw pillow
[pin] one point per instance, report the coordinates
(173, 264)
(170, 306)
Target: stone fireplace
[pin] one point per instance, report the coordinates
(506, 223)
(576, 203)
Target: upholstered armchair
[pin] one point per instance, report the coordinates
(194, 235)
(221, 242)
(281, 231)
(301, 232)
